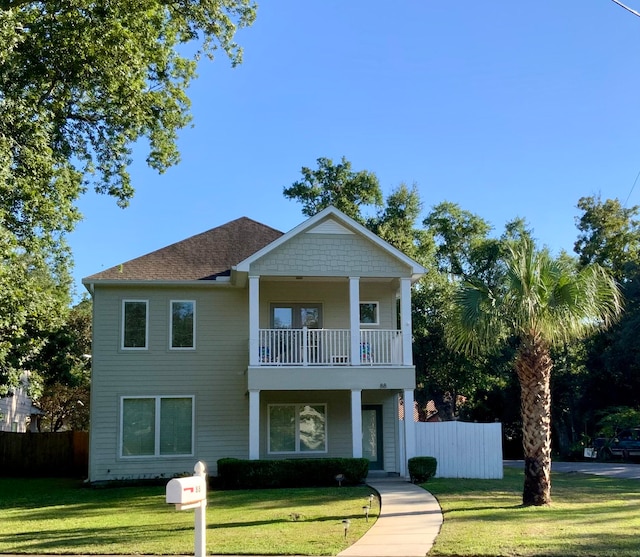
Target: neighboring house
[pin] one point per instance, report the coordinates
(17, 412)
(245, 342)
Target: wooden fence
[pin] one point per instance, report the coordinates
(463, 450)
(44, 454)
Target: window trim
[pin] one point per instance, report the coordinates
(193, 331)
(146, 325)
(377, 313)
(156, 441)
(298, 407)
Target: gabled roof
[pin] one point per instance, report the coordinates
(204, 256)
(333, 214)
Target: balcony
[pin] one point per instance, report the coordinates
(328, 347)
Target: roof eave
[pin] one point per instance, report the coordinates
(218, 281)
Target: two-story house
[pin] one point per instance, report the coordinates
(246, 342)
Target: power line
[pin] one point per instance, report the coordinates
(638, 175)
(632, 187)
(626, 7)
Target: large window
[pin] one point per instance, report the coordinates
(156, 426)
(135, 319)
(183, 319)
(297, 428)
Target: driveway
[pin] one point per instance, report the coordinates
(612, 469)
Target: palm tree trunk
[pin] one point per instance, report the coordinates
(533, 366)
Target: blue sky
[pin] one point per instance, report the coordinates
(510, 109)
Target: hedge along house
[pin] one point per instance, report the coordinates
(245, 342)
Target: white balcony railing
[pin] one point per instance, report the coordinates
(327, 347)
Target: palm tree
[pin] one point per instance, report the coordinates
(539, 302)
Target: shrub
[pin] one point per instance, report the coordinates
(235, 473)
(421, 468)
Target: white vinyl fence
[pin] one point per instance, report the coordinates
(463, 450)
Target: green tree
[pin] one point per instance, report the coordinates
(337, 185)
(81, 83)
(541, 302)
(456, 245)
(65, 357)
(61, 371)
(34, 297)
(396, 222)
(457, 234)
(64, 407)
(609, 234)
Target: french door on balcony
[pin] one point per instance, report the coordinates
(292, 339)
(296, 316)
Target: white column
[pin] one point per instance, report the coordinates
(354, 315)
(254, 424)
(356, 422)
(254, 320)
(409, 427)
(405, 314)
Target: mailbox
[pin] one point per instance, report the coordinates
(184, 491)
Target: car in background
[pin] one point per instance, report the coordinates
(625, 444)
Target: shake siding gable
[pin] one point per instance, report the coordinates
(213, 374)
(329, 255)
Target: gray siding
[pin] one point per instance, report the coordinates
(329, 255)
(213, 374)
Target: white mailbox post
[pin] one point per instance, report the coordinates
(191, 493)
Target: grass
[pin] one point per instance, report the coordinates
(590, 516)
(60, 516)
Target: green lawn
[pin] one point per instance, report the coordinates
(58, 516)
(590, 516)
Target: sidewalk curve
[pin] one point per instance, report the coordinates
(410, 519)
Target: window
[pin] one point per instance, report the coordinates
(157, 426)
(296, 316)
(368, 313)
(182, 324)
(135, 317)
(297, 428)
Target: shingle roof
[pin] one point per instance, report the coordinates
(202, 257)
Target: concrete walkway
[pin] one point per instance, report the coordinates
(410, 519)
